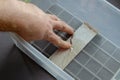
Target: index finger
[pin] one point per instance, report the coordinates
(62, 26)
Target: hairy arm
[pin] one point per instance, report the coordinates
(31, 23)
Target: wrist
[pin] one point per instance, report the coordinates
(6, 23)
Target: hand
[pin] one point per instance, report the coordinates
(32, 23)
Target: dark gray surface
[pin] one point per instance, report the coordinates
(15, 65)
(115, 3)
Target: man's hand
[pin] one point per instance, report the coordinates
(31, 23)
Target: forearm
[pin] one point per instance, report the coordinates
(6, 23)
(17, 15)
(31, 23)
(7, 26)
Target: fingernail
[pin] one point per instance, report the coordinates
(69, 45)
(73, 31)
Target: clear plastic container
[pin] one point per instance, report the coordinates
(99, 13)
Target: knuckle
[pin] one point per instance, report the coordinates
(30, 4)
(63, 27)
(50, 35)
(46, 35)
(62, 22)
(53, 15)
(50, 22)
